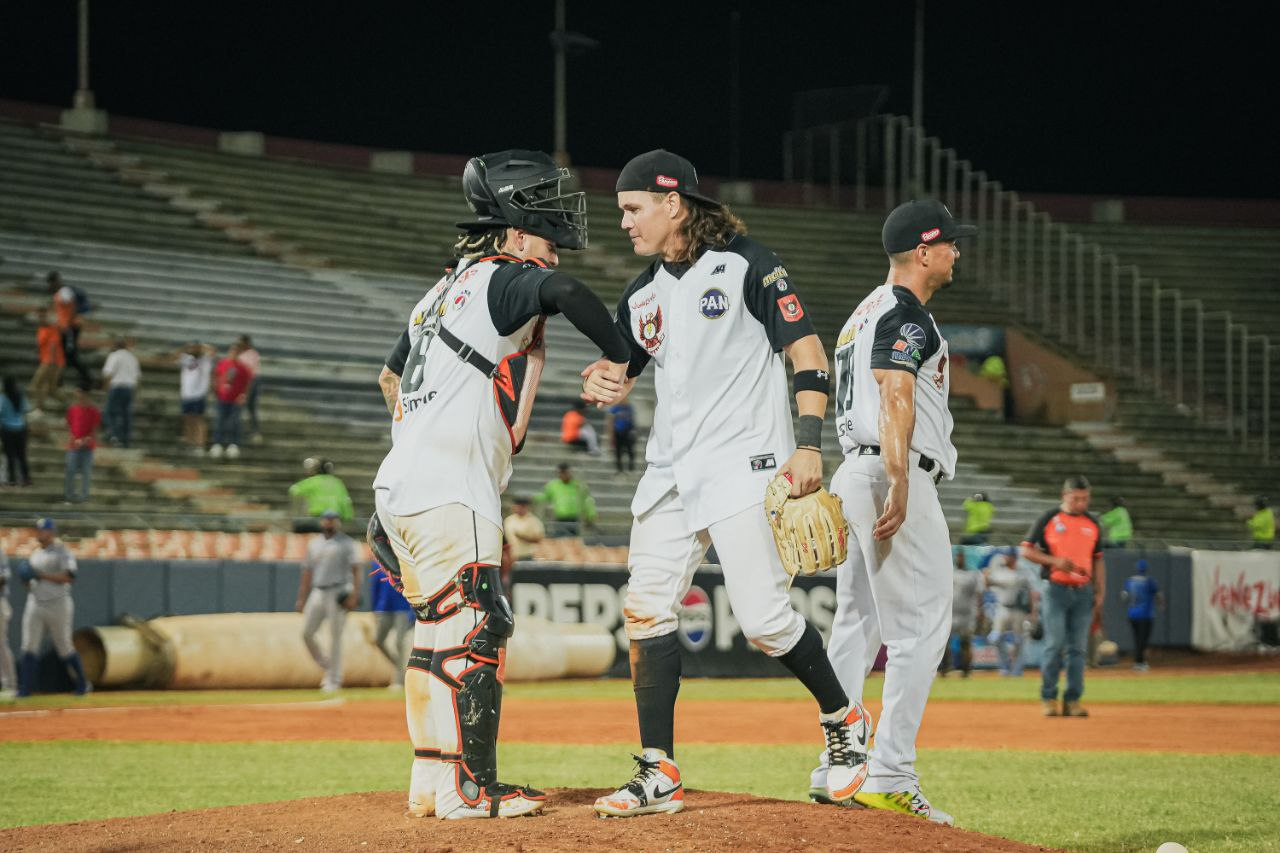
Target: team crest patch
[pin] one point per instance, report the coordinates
(713, 304)
(791, 308)
(940, 378)
(650, 329)
(913, 334)
(461, 299)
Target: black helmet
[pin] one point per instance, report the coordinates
(523, 189)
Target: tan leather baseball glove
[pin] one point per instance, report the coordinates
(810, 532)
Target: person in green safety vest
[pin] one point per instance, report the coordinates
(317, 493)
(978, 512)
(993, 370)
(1262, 524)
(1117, 526)
(569, 501)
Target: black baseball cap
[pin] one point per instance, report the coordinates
(917, 222)
(661, 171)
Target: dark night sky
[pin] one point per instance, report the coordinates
(1122, 98)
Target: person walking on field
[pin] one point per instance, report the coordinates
(328, 590)
(893, 382)
(1143, 596)
(1066, 542)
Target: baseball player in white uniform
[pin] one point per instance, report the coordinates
(1017, 606)
(49, 574)
(713, 312)
(460, 382)
(892, 383)
(327, 591)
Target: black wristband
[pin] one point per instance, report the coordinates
(809, 432)
(811, 380)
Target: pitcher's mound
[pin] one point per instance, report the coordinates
(711, 821)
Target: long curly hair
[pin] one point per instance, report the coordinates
(706, 225)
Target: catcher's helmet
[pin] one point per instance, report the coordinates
(524, 189)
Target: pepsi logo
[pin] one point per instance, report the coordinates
(713, 304)
(696, 619)
(931, 234)
(664, 181)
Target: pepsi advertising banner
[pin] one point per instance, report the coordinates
(712, 641)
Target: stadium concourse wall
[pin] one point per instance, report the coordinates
(1062, 207)
(106, 591)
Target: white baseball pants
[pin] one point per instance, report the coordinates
(665, 552)
(325, 606)
(896, 592)
(8, 674)
(52, 617)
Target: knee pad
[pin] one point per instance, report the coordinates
(481, 588)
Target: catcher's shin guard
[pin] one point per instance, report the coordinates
(470, 788)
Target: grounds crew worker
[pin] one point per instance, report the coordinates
(978, 512)
(1066, 542)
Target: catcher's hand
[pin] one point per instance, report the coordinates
(810, 531)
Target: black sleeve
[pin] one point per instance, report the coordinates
(1035, 536)
(513, 295)
(564, 294)
(770, 296)
(905, 338)
(399, 354)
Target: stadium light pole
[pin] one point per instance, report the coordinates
(83, 98)
(561, 148)
(917, 99)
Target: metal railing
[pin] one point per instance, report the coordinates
(1056, 281)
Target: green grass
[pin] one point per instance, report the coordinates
(1089, 802)
(1213, 688)
(1224, 688)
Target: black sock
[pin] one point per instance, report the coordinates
(808, 661)
(655, 675)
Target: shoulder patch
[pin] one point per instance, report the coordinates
(791, 308)
(777, 275)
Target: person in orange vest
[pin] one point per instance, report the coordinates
(576, 432)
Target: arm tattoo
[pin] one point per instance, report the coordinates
(390, 384)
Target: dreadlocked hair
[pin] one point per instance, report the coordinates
(707, 225)
(479, 244)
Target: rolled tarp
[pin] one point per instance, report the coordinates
(265, 651)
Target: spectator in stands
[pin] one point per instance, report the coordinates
(966, 603)
(231, 387)
(570, 502)
(394, 624)
(1143, 596)
(978, 513)
(1066, 543)
(250, 358)
(328, 590)
(8, 674)
(14, 408)
(622, 425)
(1017, 605)
(83, 420)
(523, 530)
(195, 367)
(576, 432)
(69, 303)
(1262, 524)
(47, 375)
(319, 492)
(122, 373)
(1117, 526)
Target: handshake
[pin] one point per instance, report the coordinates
(605, 382)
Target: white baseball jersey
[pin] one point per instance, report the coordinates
(714, 330)
(451, 444)
(891, 330)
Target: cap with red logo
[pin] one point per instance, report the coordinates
(917, 222)
(661, 171)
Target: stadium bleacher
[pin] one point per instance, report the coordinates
(318, 264)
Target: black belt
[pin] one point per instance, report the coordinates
(925, 464)
(466, 352)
